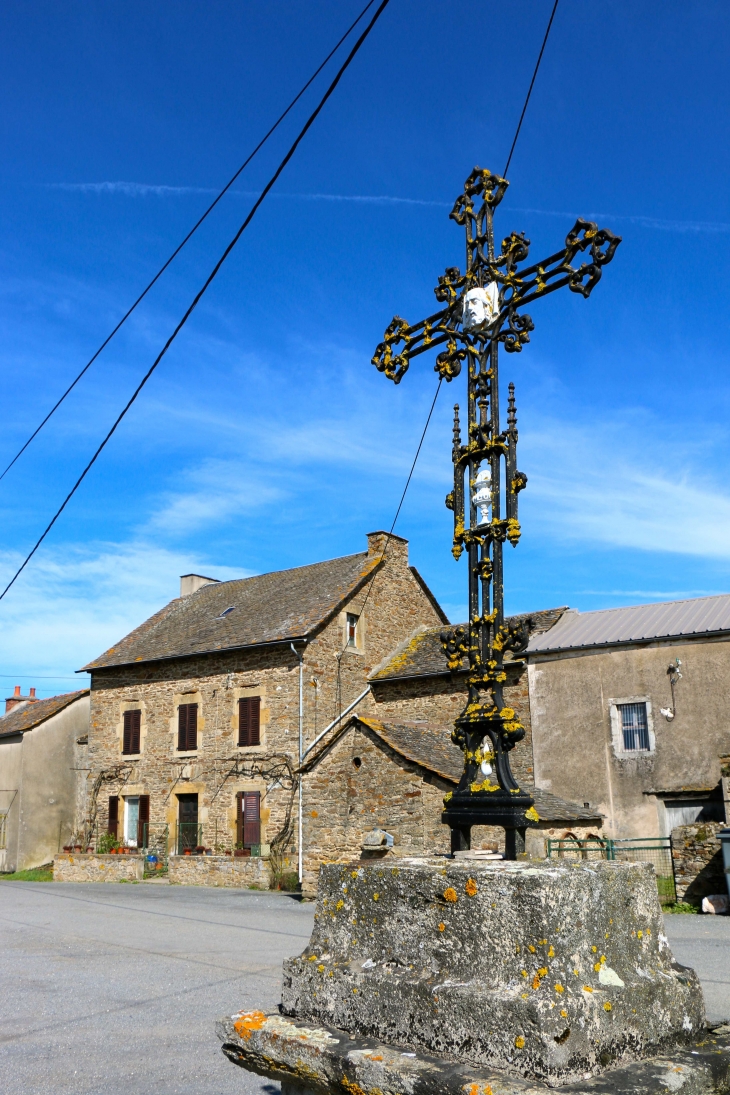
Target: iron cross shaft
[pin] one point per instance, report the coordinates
(482, 308)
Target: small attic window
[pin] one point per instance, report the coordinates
(225, 612)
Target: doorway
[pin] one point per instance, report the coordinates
(187, 824)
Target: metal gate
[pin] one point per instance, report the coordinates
(649, 849)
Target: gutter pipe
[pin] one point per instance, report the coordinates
(334, 722)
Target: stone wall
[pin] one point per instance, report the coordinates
(697, 859)
(235, 872)
(219, 768)
(360, 784)
(97, 868)
(439, 699)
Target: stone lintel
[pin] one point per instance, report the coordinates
(322, 1060)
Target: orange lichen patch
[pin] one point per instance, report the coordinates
(577, 973)
(314, 814)
(595, 950)
(353, 874)
(559, 988)
(313, 958)
(373, 1056)
(587, 988)
(442, 927)
(596, 966)
(524, 973)
(320, 968)
(471, 887)
(542, 942)
(376, 896)
(519, 1042)
(450, 894)
(542, 972)
(536, 982)
(524, 996)
(530, 948)
(551, 953)
(564, 1013)
(339, 904)
(252, 1020)
(639, 934)
(607, 1006)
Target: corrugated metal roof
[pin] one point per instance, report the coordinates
(635, 624)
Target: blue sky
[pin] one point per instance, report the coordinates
(266, 439)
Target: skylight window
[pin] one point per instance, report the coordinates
(225, 612)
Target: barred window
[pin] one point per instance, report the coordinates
(635, 727)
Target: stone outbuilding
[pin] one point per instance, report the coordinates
(43, 747)
(393, 776)
(197, 715)
(629, 712)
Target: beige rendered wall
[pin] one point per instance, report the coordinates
(47, 799)
(574, 749)
(11, 750)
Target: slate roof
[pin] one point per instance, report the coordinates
(636, 624)
(268, 608)
(431, 747)
(422, 655)
(21, 719)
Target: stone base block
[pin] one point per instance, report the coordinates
(73, 867)
(219, 870)
(536, 969)
(322, 1060)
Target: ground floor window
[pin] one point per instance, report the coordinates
(248, 819)
(188, 836)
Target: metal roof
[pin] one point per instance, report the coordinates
(636, 624)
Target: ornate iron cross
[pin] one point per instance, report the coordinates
(483, 308)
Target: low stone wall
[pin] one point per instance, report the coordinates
(697, 859)
(73, 867)
(220, 870)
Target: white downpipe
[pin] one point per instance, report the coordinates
(301, 758)
(334, 722)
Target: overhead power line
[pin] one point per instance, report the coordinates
(257, 204)
(529, 90)
(191, 233)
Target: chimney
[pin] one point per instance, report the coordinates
(396, 545)
(191, 583)
(17, 698)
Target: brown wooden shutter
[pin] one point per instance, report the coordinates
(251, 818)
(249, 721)
(113, 815)
(143, 821)
(187, 727)
(239, 819)
(132, 725)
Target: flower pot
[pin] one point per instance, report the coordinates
(67, 848)
(89, 850)
(78, 848)
(187, 851)
(227, 853)
(239, 853)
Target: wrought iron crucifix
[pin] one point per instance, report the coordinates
(481, 309)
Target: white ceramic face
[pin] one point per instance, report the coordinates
(480, 306)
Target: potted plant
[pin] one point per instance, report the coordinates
(68, 848)
(187, 851)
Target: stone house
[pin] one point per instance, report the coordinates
(197, 715)
(393, 775)
(42, 777)
(629, 712)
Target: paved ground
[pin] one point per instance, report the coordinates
(115, 988)
(703, 942)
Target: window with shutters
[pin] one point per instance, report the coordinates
(248, 819)
(187, 727)
(143, 822)
(113, 815)
(249, 720)
(131, 735)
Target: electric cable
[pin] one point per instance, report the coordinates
(192, 231)
(529, 90)
(257, 204)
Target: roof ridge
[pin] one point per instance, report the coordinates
(649, 604)
(284, 570)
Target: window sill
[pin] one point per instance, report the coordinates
(186, 754)
(132, 756)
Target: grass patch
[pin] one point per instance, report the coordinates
(35, 874)
(680, 907)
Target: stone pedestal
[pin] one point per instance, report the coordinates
(481, 972)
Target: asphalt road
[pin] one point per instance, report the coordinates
(115, 988)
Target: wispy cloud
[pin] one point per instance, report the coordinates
(79, 600)
(653, 497)
(212, 494)
(136, 190)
